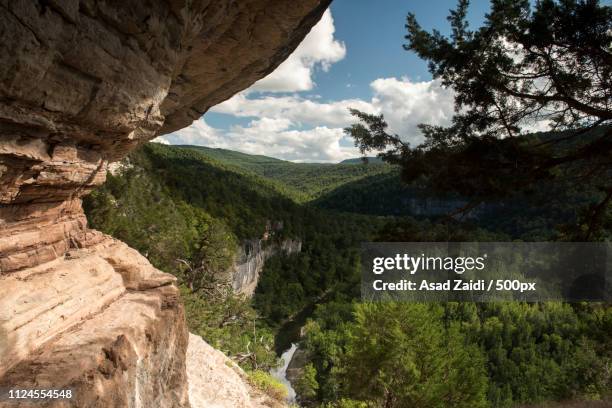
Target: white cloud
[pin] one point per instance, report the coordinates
(406, 104)
(534, 126)
(318, 49)
(300, 128)
(199, 133)
(299, 110)
(161, 139)
(276, 137)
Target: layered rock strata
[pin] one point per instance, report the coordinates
(82, 82)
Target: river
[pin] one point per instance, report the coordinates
(286, 342)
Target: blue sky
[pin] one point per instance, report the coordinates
(373, 31)
(352, 58)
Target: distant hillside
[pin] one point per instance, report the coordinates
(252, 162)
(528, 215)
(302, 181)
(531, 216)
(375, 189)
(359, 160)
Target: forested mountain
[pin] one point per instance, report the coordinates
(360, 160)
(376, 189)
(188, 208)
(188, 212)
(530, 216)
(303, 181)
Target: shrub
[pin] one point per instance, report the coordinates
(268, 384)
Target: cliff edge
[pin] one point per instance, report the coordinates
(82, 82)
(215, 381)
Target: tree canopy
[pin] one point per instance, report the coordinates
(527, 66)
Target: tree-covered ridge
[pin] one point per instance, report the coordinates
(302, 181)
(553, 209)
(252, 162)
(360, 160)
(377, 189)
(187, 213)
(243, 199)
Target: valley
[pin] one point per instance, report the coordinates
(140, 268)
(227, 216)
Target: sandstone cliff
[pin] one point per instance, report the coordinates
(82, 82)
(250, 261)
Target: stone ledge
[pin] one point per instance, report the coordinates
(129, 355)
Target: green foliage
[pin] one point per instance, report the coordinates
(398, 355)
(538, 352)
(136, 209)
(231, 325)
(178, 234)
(497, 70)
(180, 204)
(268, 384)
(410, 230)
(529, 62)
(214, 254)
(328, 260)
(306, 385)
(244, 201)
(346, 403)
(302, 182)
(510, 353)
(530, 352)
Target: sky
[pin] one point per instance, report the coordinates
(353, 58)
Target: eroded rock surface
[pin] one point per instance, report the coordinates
(82, 82)
(215, 381)
(129, 353)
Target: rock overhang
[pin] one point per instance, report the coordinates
(82, 83)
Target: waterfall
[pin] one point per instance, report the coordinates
(280, 373)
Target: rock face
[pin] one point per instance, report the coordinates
(100, 321)
(82, 82)
(217, 382)
(250, 261)
(296, 366)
